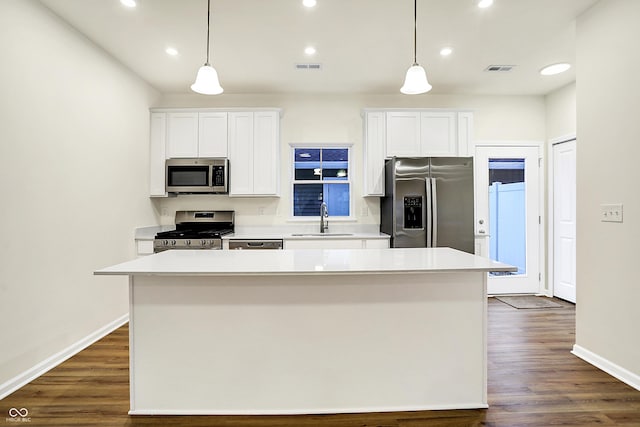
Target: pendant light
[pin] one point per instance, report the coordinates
(415, 81)
(207, 79)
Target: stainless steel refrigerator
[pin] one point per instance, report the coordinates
(429, 202)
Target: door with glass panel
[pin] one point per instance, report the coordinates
(508, 212)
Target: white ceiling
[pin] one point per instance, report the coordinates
(364, 46)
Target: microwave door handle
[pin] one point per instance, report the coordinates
(428, 213)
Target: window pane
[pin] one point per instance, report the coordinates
(336, 196)
(307, 155)
(335, 171)
(307, 171)
(335, 154)
(307, 199)
(507, 213)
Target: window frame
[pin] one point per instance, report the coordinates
(349, 181)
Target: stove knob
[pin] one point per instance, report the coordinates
(165, 242)
(187, 242)
(173, 243)
(203, 242)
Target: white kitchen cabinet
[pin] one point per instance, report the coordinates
(196, 134)
(403, 134)
(374, 154)
(438, 134)
(182, 135)
(421, 133)
(212, 134)
(157, 154)
(254, 153)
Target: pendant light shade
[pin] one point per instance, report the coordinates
(415, 82)
(207, 82)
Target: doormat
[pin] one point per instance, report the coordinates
(529, 301)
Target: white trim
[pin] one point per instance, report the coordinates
(51, 362)
(307, 411)
(508, 143)
(607, 366)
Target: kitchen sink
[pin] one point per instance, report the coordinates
(321, 234)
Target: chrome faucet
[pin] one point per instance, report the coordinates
(324, 218)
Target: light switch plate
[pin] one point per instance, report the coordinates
(611, 212)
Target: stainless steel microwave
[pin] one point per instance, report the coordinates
(197, 176)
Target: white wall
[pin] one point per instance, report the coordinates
(608, 111)
(74, 128)
(337, 118)
(561, 112)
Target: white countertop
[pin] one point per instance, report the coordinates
(303, 262)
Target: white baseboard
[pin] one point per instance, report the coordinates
(607, 366)
(51, 362)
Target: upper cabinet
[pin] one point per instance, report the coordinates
(196, 134)
(421, 134)
(254, 153)
(412, 133)
(248, 138)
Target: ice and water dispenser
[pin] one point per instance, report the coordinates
(413, 212)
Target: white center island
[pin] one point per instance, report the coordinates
(307, 331)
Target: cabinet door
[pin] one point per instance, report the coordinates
(182, 135)
(374, 154)
(241, 154)
(157, 154)
(438, 134)
(403, 134)
(376, 243)
(266, 150)
(212, 135)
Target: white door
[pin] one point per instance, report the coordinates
(564, 220)
(508, 210)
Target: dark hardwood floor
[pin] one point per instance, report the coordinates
(533, 381)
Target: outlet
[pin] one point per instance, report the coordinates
(261, 210)
(364, 211)
(611, 213)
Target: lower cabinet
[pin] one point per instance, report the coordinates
(325, 243)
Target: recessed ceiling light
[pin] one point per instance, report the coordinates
(128, 3)
(310, 50)
(171, 51)
(446, 51)
(309, 3)
(550, 70)
(482, 4)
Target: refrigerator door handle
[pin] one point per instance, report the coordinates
(434, 213)
(429, 213)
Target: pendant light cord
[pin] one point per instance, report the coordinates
(208, 17)
(415, 31)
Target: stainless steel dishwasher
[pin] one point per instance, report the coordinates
(254, 244)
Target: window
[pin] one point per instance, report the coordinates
(321, 175)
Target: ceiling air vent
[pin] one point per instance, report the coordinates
(308, 66)
(499, 68)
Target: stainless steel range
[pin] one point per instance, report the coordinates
(196, 230)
